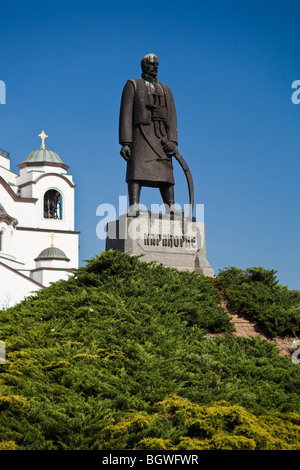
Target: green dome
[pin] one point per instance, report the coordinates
(43, 156)
(52, 253)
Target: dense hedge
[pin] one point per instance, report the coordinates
(176, 423)
(256, 292)
(98, 361)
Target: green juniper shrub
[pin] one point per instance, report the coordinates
(256, 292)
(116, 357)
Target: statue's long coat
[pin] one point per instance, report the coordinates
(144, 127)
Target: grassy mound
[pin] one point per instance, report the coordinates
(116, 358)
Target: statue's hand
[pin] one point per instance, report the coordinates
(125, 152)
(170, 148)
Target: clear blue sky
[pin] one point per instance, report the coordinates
(230, 65)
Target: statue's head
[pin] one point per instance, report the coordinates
(149, 65)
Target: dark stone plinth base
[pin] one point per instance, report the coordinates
(172, 240)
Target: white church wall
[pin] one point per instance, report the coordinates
(22, 211)
(26, 179)
(32, 173)
(31, 214)
(30, 243)
(4, 162)
(7, 201)
(9, 177)
(22, 197)
(37, 276)
(46, 276)
(26, 245)
(14, 287)
(67, 192)
(52, 263)
(7, 232)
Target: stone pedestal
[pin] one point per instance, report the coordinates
(172, 240)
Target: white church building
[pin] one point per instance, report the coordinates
(38, 243)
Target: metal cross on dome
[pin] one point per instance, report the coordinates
(43, 136)
(52, 236)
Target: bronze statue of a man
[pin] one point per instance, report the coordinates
(148, 133)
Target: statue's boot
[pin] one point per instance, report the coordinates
(167, 194)
(134, 191)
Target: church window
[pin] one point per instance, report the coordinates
(53, 204)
